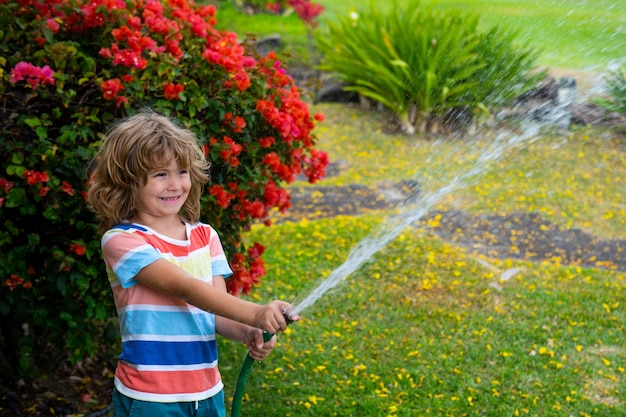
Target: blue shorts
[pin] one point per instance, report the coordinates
(124, 406)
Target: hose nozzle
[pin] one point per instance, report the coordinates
(288, 316)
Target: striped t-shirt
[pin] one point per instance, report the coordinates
(169, 351)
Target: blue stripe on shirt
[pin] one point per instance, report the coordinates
(221, 267)
(142, 352)
(166, 323)
(129, 267)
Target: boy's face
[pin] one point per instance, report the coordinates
(163, 194)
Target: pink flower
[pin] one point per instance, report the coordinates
(33, 75)
(306, 11)
(53, 25)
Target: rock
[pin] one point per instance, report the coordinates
(267, 44)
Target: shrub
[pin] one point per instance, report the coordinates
(305, 9)
(421, 62)
(616, 89)
(68, 68)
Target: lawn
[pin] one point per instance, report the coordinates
(424, 327)
(577, 34)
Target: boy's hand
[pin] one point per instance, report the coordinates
(272, 316)
(258, 348)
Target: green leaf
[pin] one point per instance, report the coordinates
(17, 158)
(51, 213)
(16, 197)
(32, 121)
(62, 285)
(4, 307)
(68, 319)
(16, 170)
(42, 132)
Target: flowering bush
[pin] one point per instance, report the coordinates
(305, 10)
(68, 68)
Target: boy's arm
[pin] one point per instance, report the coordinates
(250, 336)
(226, 327)
(165, 277)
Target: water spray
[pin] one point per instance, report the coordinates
(242, 380)
(414, 208)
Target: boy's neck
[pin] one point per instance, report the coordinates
(174, 228)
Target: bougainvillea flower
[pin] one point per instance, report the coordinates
(110, 88)
(172, 91)
(33, 75)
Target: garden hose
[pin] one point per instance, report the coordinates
(243, 376)
(243, 379)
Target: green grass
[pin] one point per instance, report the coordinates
(421, 331)
(425, 328)
(576, 34)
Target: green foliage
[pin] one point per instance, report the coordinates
(67, 70)
(616, 88)
(507, 70)
(422, 62)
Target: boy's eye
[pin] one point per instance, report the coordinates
(159, 174)
(183, 172)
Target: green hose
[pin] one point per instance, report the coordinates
(243, 379)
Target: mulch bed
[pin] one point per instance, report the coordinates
(517, 235)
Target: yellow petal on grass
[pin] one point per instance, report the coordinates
(314, 399)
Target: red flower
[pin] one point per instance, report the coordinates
(77, 249)
(256, 250)
(267, 141)
(275, 8)
(222, 196)
(256, 209)
(33, 177)
(306, 10)
(316, 166)
(67, 188)
(13, 281)
(172, 91)
(5, 185)
(276, 197)
(110, 88)
(239, 124)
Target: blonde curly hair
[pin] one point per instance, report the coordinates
(132, 148)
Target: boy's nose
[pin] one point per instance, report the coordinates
(174, 184)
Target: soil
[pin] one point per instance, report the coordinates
(523, 236)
